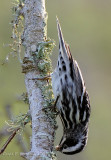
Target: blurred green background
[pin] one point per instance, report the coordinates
(86, 26)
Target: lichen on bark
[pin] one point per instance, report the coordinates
(36, 63)
(30, 30)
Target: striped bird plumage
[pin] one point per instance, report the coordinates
(73, 101)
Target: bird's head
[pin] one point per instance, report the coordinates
(72, 143)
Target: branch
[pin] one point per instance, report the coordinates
(19, 140)
(5, 132)
(36, 63)
(10, 139)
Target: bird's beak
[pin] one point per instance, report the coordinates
(58, 148)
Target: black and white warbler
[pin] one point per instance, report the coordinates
(72, 100)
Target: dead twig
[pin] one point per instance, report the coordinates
(10, 139)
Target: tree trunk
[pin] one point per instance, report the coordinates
(42, 140)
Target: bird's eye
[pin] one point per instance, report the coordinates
(65, 146)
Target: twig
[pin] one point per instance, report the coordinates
(19, 140)
(10, 139)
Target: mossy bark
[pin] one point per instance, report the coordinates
(43, 125)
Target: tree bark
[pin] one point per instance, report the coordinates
(42, 140)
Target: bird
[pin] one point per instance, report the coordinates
(72, 100)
